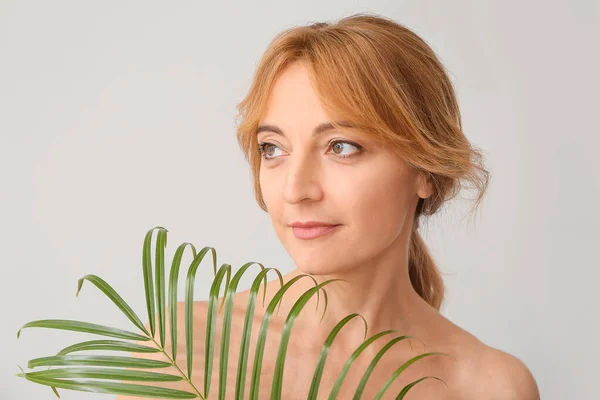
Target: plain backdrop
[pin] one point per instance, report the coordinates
(118, 116)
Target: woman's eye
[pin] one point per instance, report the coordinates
(264, 152)
(338, 144)
(337, 147)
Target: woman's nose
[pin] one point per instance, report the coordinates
(302, 180)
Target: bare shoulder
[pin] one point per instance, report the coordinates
(482, 372)
(497, 375)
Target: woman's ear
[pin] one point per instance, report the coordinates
(424, 185)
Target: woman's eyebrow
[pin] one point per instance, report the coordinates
(321, 128)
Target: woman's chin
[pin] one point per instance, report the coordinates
(316, 269)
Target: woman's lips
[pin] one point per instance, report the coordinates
(312, 232)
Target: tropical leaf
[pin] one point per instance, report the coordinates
(106, 373)
(118, 345)
(114, 296)
(70, 325)
(85, 385)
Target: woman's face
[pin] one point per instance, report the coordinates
(371, 194)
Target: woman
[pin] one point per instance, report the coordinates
(353, 134)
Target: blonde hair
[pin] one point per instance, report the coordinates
(387, 82)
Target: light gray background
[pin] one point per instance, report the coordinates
(118, 116)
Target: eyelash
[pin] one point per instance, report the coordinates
(262, 145)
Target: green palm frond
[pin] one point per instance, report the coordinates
(107, 373)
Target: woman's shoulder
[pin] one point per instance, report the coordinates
(486, 372)
(498, 374)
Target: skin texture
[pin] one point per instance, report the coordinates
(372, 195)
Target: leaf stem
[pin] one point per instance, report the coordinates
(178, 369)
